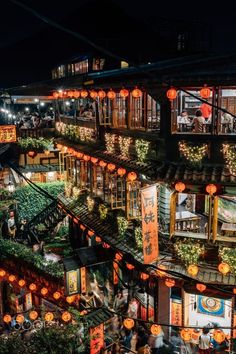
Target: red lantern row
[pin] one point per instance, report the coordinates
(210, 188)
(205, 93)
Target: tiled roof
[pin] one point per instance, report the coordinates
(39, 168)
(98, 316)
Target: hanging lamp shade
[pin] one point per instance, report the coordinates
(205, 92)
(101, 94)
(211, 189)
(93, 94)
(84, 93)
(132, 176)
(180, 187)
(171, 94)
(136, 93)
(201, 287)
(124, 93)
(224, 268)
(111, 94)
(192, 270)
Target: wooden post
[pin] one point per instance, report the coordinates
(215, 218)
(172, 213)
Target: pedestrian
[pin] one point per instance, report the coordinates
(205, 342)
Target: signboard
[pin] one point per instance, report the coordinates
(72, 286)
(7, 133)
(176, 312)
(83, 286)
(149, 224)
(115, 273)
(28, 301)
(97, 339)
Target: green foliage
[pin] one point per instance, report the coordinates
(32, 202)
(103, 210)
(123, 224)
(188, 251)
(142, 147)
(138, 237)
(38, 144)
(228, 255)
(10, 249)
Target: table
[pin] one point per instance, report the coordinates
(187, 221)
(228, 229)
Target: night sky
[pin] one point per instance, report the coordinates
(30, 47)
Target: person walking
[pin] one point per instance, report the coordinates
(205, 342)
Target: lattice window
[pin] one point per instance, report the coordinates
(133, 200)
(117, 192)
(70, 163)
(98, 178)
(84, 175)
(153, 114)
(105, 111)
(137, 119)
(120, 111)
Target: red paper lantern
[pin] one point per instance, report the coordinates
(70, 94)
(49, 316)
(33, 315)
(224, 268)
(57, 295)
(101, 94)
(111, 94)
(93, 94)
(79, 155)
(205, 92)
(132, 176)
(11, 278)
(55, 95)
(144, 276)
(128, 323)
(192, 270)
(33, 287)
(77, 94)
(129, 266)
(124, 93)
(66, 316)
(201, 287)
(98, 239)
(70, 299)
(111, 167)
(118, 256)
(20, 318)
(21, 282)
(102, 164)
(86, 157)
(32, 154)
(44, 291)
(7, 318)
(170, 282)
(211, 189)
(155, 329)
(121, 171)
(94, 160)
(2, 273)
(84, 93)
(136, 93)
(90, 233)
(171, 94)
(180, 187)
(105, 245)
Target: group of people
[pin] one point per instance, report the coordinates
(34, 121)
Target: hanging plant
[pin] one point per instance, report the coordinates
(123, 224)
(76, 192)
(68, 189)
(188, 252)
(124, 144)
(90, 203)
(110, 143)
(138, 237)
(229, 152)
(103, 210)
(39, 144)
(193, 153)
(228, 256)
(141, 147)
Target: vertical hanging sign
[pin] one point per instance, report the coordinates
(115, 273)
(97, 339)
(83, 285)
(149, 224)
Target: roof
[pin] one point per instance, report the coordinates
(39, 168)
(98, 316)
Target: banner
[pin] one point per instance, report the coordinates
(97, 339)
(72, 282)
(7, 133)
(149, 224)
(176, 312)
(83, 286)
(115, 273)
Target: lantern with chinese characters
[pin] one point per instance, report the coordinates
(192, 270)
(124, 93)
(20, 318)
(211, 189)
(33, 287)
(155, 329)
(219, 335)
(205, 92)
(2, 273)
(121, 171)
(201, 287)
(171, 94)
(224, 268)
(66, 316)
(180, 187)
(136, 93)
(128, 323)
(101, 94)
(93, 94)
(49, 316)
(186, 334)
(170, 282)
(84, 93)
(21, 283)
(33, 315)
(132, 176)
(44, 291)
(111, 94)
(111, 167)
(7, 318)
(57, 295)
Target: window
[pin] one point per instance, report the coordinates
(98, 181)
(105, 111)
(117, 192)
(98, 64)
(81, 67)
(71, 172)
(226, 122)
(71, 69)
(133, 200)
(137, 112)
(84, 174)
(120, 111)
(153, 114)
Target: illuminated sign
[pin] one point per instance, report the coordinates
(7, 134)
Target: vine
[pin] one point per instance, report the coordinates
(188, 252)
(229, 152)
(193, 153)
(142, 147)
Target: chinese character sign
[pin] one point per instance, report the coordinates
(149, 224)
(72, 282)
(115, 273)
(83, 285)
(7, 134)
(176, 312)
(96, 339)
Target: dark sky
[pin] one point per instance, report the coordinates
(26, 57)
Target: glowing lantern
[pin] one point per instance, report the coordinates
(218, 335)
(84, 93)
(79, 155)
(121, 171)
(70, 299)
(2, 273)
(77, 94)
(118, 256)
(136, 93)
(49, 316)
(93, 94)
(102, 164)
(144, 276)
(21, 282)
(155, 329)
(192, 270)
(111, 167)
(70, 94)
(66, 316)
(180, 187)
(130, 266)
(82, 227)
(124, 93)
(44, 291)
(90, 233)
(201, 287)
(86, 158)
(32, 154)
(132, 176)
(32, 287)
(101, 94)
(211, 189)
(55, 95)
(98, 239)
(128, 323)
(7, 318)
(11, 278)
(186, 334)
(20, 318)
(224, 268)
(205, 92)
(111, 94)
(171, 94)
(105, 245)
(170, 282)
(94, 160)
(234, 290)
(33, 315)
(57, 295)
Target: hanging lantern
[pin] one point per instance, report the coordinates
(2, 273)
(121, 171)
(101, 94)
(32, 154)
(144, 276)
(170, 282)
(129, 266)
(211, 189)
(94, 160)
(57, 295)
(102, 164)
(118, 256)
(70, 299)
(155, 329)
(55, 95)
(93, 94)
(21, 283)
(49, 316)
(111, 167)
(77, 94)
(105, 245)
(20, 318)
(33, 315)
(136, 93)
(86, 157)
(82, 227)
(201, 287)
(7, 318)
(124, 93)
(90, 233)
(205, 92)
(84, 93)
(180, 187)
(234, 290)
(224, 268)
(33, 287)
(128, 323)
(192, 270)
(132, 176)
(79, 155)
(44, 291)
(98, 239)
(171, 94)
(111, 94)
(70, 94)
(11, 278)
(186, 334)
(66, 316)
(219, 335)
